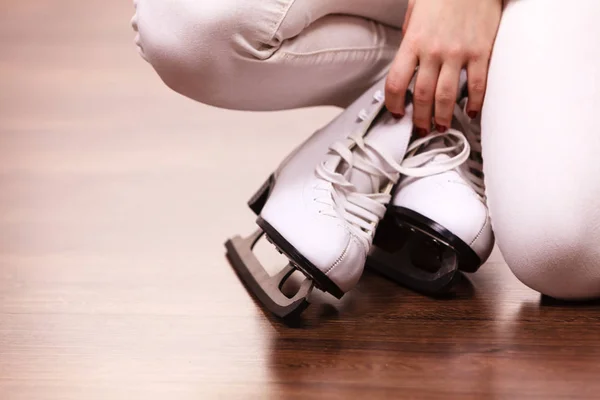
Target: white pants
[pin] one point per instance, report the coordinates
(539, 137)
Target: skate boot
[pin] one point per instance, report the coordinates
(438, 224)
(320, 208)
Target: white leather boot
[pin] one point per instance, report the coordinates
(322, 205)
(440, 221)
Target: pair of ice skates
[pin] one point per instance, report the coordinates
(364, 191)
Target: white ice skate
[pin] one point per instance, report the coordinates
(322, 206)
(437, 224)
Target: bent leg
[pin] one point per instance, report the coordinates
(269, 54)
(541, 145)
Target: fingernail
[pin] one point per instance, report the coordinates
(421, 132)
(440, 128)
(472, 114)
(397, 116)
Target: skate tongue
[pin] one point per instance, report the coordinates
(390, 136)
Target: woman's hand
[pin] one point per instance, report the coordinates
(442, 37)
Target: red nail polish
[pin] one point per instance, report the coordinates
(422, 132)
(440, 128)
(472, 114)
(397, 116)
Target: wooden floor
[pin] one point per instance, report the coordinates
(116, 196)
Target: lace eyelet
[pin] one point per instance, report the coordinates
(378, 96)
(363, 115)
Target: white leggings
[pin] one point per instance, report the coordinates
(539, 135)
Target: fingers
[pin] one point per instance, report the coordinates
(445, 95)
(402, 71)
(424, 95)
(398, 80)
(476, 81)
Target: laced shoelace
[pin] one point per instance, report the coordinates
(473, 173)
(363, 211)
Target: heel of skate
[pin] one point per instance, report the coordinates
(413, 258)
(298, 261)
(468, 260)
(257, 202)
(267, 289)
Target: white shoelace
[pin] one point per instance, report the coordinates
(472, 131)
(363, 211)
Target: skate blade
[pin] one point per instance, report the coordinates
(266, 288)
(413, 259)
(432, 284)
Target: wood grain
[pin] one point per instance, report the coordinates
(116, 196)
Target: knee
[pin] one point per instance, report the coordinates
(194, 44)
(557, 257)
